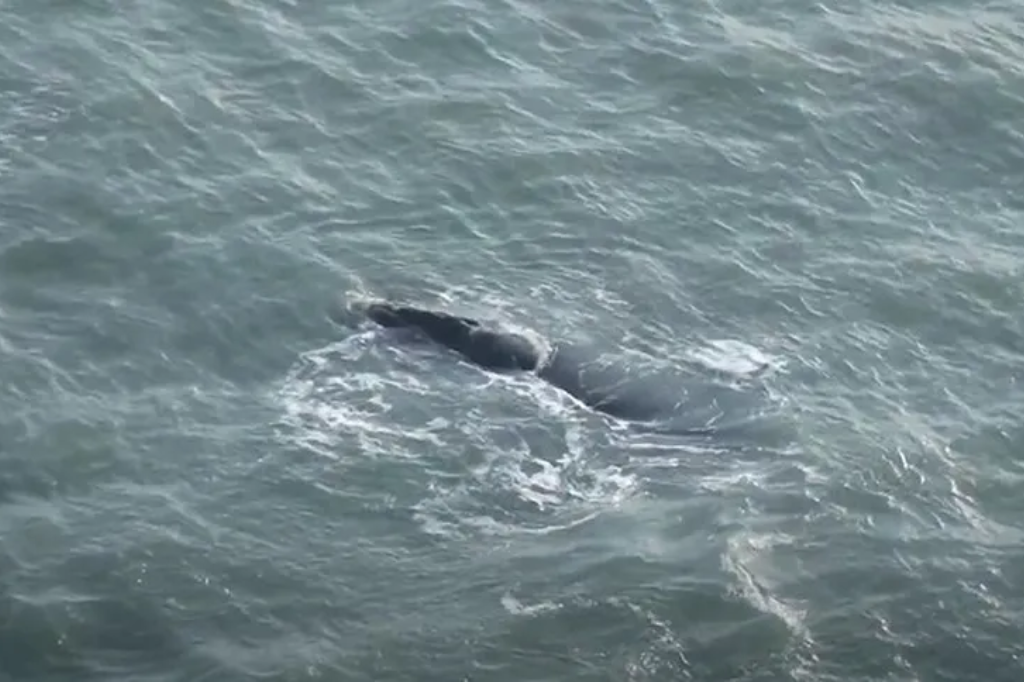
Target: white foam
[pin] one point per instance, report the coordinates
(733, 357)
(747, 559)
(511, 455)
(518, 491)
(516, 607)
(326, 404)
(555, 478)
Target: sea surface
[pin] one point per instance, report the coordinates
(804, 219)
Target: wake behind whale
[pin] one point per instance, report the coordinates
(588, 376)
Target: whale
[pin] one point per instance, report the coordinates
(597, 382)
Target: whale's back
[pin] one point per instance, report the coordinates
(501, 350)
(607, 386)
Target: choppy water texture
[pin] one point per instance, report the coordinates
(208, 472)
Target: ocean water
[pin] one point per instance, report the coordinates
(805, 219)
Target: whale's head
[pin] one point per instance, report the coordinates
(441, 327)
(387, 315)
(485, 347)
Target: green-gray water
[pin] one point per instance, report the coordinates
(209, 472)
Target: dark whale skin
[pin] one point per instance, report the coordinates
(602, 386)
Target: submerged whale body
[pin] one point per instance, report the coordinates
(602, 386)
